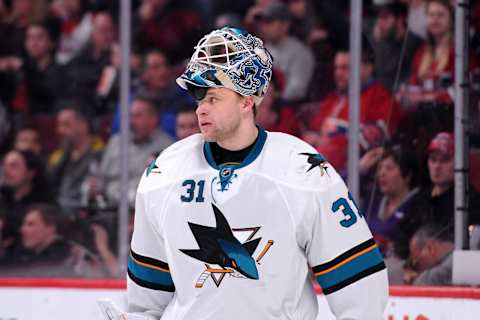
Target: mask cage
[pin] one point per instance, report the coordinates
(221, 50)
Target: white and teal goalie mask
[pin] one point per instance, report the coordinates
(229, 58)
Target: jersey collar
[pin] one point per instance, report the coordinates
(252, 155)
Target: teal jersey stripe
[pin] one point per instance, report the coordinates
(149, 274)
(350, 269)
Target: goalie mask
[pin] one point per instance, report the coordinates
(228, 58)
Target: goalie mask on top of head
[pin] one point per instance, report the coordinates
(229, 58)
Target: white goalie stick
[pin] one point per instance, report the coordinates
(110, 311)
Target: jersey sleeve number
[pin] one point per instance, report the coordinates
(350, 216)
(190, 191)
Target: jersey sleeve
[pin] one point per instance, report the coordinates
(149, 283)
(344, 257)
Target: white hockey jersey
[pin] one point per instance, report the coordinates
(244, 240)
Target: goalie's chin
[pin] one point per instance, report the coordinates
(209, 136)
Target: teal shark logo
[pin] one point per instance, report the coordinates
(218, 246)
(153, 168)
(316, 160)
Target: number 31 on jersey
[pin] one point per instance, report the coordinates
(194, 190)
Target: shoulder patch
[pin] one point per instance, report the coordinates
(316, 160)
(153, 168)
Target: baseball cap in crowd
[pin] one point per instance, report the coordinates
(443, 142)
(393, 7)
(275, 11)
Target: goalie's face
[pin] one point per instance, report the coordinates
(221, 113)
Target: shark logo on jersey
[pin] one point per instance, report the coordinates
(316, 160)
(153, 168)
(219, 246)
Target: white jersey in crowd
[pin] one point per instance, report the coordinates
(245, 240)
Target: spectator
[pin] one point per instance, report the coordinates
(13, 27)
(392, 217)
(186, 122)
(76, 28)
(146, 139)
(253, 13)
(103, 34)
(159, 24)
(78, 157)
(334, 17)
(24, 183)
(108, 84)
(41, 239)
(393, 43)
(432, 74)
(85, 70)
(292, 57)
(28, 139)
(328, 127)
(43, 250)
(43, 78)
(440, 196)
(431, 256)
(372, 140)
(302, 18)
(156, 77)
(320, 42)
(273, 114)
(157, 84)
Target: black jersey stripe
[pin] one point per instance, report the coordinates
(149, 261)
(358, 276)
(347, 254)
(149, 285)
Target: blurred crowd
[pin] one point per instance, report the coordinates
(60, 120)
